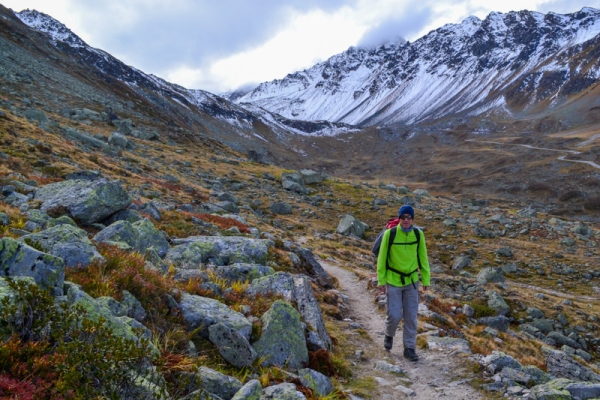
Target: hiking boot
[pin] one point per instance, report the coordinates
(411, 354)
(388, 342)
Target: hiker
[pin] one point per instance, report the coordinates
(397, 273)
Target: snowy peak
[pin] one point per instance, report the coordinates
(458, 70)
(44, 23)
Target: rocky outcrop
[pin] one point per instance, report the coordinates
(217, 250)
(85, 201)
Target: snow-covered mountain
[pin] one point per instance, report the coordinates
(169, 95)
(511, 65)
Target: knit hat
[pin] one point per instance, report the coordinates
(406, 209)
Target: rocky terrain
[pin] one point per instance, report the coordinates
(146, 252)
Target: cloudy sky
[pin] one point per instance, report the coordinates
(220, 45)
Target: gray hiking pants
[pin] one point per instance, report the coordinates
(403, 303)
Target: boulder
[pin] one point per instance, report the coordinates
(67, 242)
(309, 176)
(282, 341)
(85, 201)
(489, 274)
(201, 312)
(19, 259)
(219, 250)
(250, 391)
(565, 389)
(243, 272)
(461, 262)
(456, 345)
(562, 365)
(296, 289)
(282, 391)
(497, 303)
(316, 381)
(281, 208)
(211, 381)
(499, 322)
(309, 263)
(498, 360)
(140, 236)
(232, 345)
(119, 140)
(349, 225)
(293, 182)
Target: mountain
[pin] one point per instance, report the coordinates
(109, 83)
(506, 67)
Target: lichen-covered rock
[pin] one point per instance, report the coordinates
(120, 326)
(67, 242)
(499, 322)
(280, 282)
(232, 345)
(293, 182)
(282, 341)
(309, 176)
(19, 259)
(489, 274)
(496, 361)
(349, 225)
(212, 381)
(296, 289)
(140, 236)
(241, 272)
(134, 308)
(85, 201)
(562, 365)
(283, 391)
(202, 312)
(565, 389)
(218, 250)
(316, 381)
(250, 391)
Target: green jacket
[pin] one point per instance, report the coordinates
(403, 257)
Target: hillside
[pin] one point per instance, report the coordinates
(167, 234)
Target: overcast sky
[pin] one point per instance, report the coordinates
(220, 45)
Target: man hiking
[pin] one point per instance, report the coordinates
(398, 263)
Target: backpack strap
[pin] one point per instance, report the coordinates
(391, 242)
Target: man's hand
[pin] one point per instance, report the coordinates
(382, 289)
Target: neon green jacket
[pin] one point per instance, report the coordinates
(403, 257)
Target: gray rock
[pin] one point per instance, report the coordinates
(293, 182)
(134, 308)
(201, 312)
(311, 266)
(140, 236)
(124, 126)
(545, 325)
(561, 339)
(86, 175)
(4, 219)
(211, 381)
(537, 375)
(461, 262)
(16, 199)
(504, 252)
(19, 259)
(349, 225)
(468, 310)
(309, 176)
(219, 250)
(282, 341)
(316, 381)
(535, 313)
(457, 345)
(296, 289)
(84, 138)
(67, 242)
(87, 202)
(562, 365)
(499, 322)
(511, 375)
(480, 231)
(497, 303)
(498, 360)
(128, 215)
(241, 272)
(232, 345)
(565, 389)
(119, 140)
(250, 391)
(283, 391)
(151, 209)
(489, 274)
(281, 208)
(117, 309)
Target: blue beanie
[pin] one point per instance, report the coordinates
(406, 209)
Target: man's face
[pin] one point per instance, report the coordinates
(406, 221)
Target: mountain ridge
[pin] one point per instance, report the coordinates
(470, 69)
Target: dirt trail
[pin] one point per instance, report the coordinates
(436, 375)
